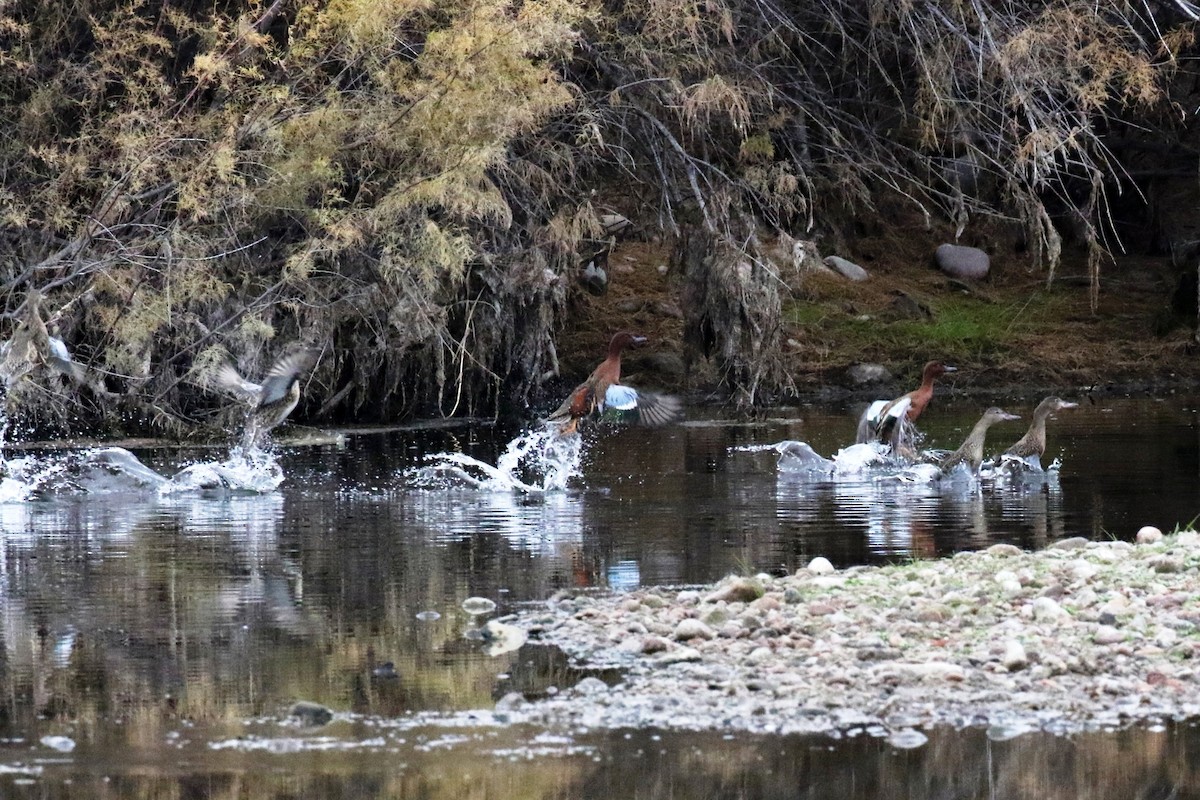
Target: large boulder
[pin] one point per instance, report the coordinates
(958, 261)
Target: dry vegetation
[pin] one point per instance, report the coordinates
(413, 186)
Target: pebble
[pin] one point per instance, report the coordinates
(1148, 534)
(738, 590)
(1071, 543)
(1014, 656)
(1167, 564)
(1048, 609)
(693, 629)
(1107, 634)
(820, 566)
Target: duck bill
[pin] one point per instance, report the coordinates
(1065, 404)
(638, 341)
(948, 368)
(1008, 417)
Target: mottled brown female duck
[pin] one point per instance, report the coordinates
(970, 452)
(603, 391)
(1033, 443)
(275, 398)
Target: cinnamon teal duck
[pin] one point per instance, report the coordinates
(603, 392)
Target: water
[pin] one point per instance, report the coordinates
(154, 641)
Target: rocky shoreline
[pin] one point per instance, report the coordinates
(1081, 635)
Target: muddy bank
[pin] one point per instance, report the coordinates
(1081, 635)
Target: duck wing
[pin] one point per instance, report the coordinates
(278, 380)
(648, 408)
(230, 380)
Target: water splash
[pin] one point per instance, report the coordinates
(536, 462)
(253, 470)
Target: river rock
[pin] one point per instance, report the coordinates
(590, 685)
(1167, 564)
(737, 590)
(1149, 535)
(957, 261)
(693, 629)
(1004, 550)
(1014, 656)
(310, 714)
(1070, 543)
(1107, 634)
(1048, 610)
(820, 566)
(846, 268)
(864, 374)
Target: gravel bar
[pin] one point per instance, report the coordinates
(1080, 635)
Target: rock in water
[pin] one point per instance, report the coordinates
(310, 714)
(477, 606)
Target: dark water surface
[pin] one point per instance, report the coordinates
(152, 646)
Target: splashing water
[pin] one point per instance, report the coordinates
(537, 461)
(252, 470)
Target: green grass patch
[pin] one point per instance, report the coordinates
(962, 328)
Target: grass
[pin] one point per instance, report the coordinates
(960, 329)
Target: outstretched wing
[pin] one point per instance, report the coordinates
(642, 407)
(227, 378)
(883, 421)
(279, 377)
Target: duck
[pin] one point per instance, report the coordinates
(30, 343)
(970, 452)
(271, 401)
(603, 391)
(884, 420)
(1033, 443)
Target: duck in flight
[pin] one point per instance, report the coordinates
(34, 344)
(270, 402)
(885, 420)
(603, 392)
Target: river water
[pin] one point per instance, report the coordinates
(153, 645)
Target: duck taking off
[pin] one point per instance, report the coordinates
(885, 420)
(35, 344)
(603, 391)
(1033, 443)
(970, 452)
(271, 401)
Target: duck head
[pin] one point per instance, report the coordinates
(1052, 404)
(625, 339)
(936, 369)
(995, 414)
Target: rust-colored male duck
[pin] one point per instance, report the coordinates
(883, 421)
(970, 452)
(603, 391)
(275, 398)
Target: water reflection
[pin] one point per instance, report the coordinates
(144, 628)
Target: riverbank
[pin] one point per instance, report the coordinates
(1081, 635)
(1012, 334)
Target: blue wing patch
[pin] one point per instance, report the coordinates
(620, 398)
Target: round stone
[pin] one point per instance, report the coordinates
(1149, 534)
